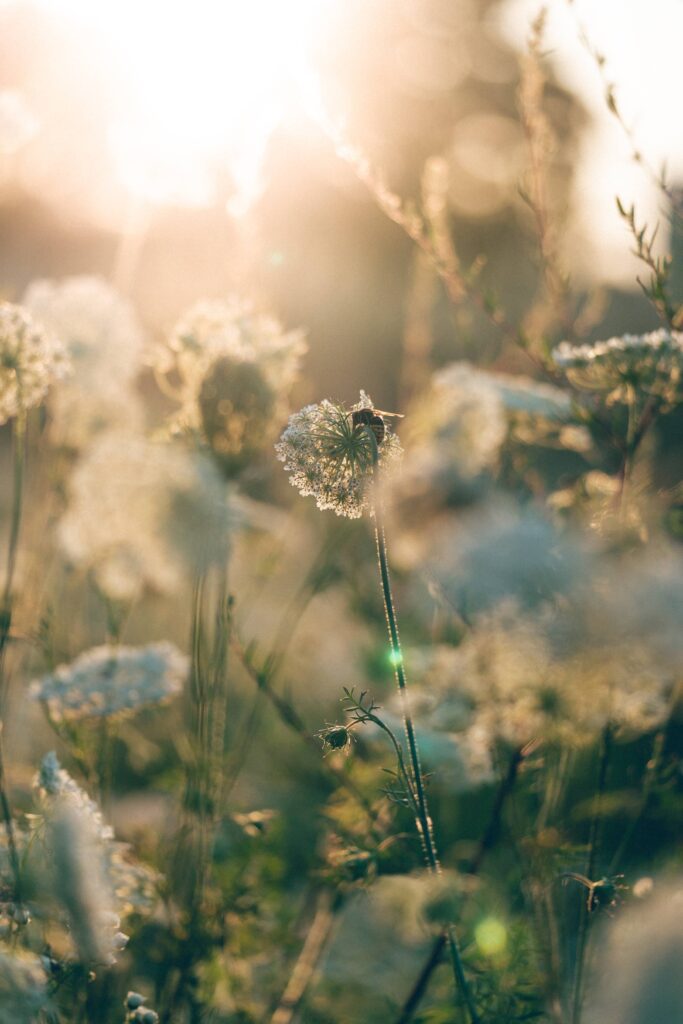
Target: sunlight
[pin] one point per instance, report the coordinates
(199, 87)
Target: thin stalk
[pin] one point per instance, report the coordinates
(305, 967)
(582, 939)
(19, 461)
(651, 770)
(423, 819)
(487, 842)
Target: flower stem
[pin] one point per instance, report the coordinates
(19, 452)
(422, 818)
(584, 922)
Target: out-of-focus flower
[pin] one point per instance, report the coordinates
(112, 680)
(141, 514)
(137, 1012)
(230, 369)
(641, 981)
(31, 360)
(501, 554)
(23, 987)
(125, 884)
(82, 885)
(329, 454)
(650, 364)
(18, 125)
(54, 782)
(237, 410)
(460, 423)
(105, 343)
(455, 432)
(607, 651)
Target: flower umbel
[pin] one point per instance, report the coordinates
(30, 360)
(650, 363)
(330, 457)
(107, 681)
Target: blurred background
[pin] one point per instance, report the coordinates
(179, 149)
(189, 151)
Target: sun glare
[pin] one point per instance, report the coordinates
(200, 87)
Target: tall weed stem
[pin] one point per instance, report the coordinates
(422, 818)
(582, 938)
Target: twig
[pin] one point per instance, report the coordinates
(304, 969)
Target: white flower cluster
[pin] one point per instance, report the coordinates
(31, 359)
(109, 680)
(82, 883)
(459, 423)
(54, 782)
(105, 344)
(142, 514)
(213, 330)
(502, 554)
(649, 363)
(606, 649)
(133, 884)
(330, 458)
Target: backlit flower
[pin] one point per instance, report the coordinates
(651, 364)
(31, 359)
(112, 680)
(330, 457)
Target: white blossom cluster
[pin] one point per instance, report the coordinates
(141, 514)
(500, 553)
(330, 458)
(456, 429)
(105, 344)
(212, 330)
(648, 363)
(460, 423)
(55, 783)
(133, 884)
(31, 360)
(108, 680)
(605, 650)
(82, 883)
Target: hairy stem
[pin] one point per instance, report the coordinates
(487, 842)
(423, 819)
(582, 938)
(19, 460)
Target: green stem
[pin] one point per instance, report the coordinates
(582, 939)
(423, 819)
(487, 842)
(19, 460)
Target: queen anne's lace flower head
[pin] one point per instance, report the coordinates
(651, 364)
(112, 680)
(143, 514)
(31, 359)
(330, 457)
(231, 331)
(105, 344)
(54, 782)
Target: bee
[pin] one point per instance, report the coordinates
(373, 418)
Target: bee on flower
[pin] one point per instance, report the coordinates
(329, 452)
